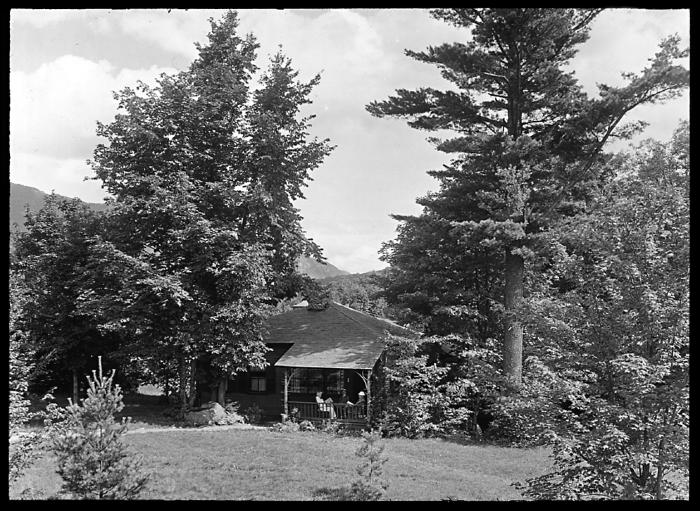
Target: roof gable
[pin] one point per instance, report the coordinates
(336, 337)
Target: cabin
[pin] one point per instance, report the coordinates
(334, 350)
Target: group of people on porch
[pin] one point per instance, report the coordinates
(327, 404)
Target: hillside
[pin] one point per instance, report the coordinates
(354, 277)
(21, 196)
(318, 270)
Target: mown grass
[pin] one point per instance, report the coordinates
(267, 465)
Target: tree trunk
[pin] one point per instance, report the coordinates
(193, 382)
(221, 394)
(76, 389)
(513, 339)
(513, 292)
(183, 383)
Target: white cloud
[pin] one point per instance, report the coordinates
(622, 40)
(41, 18)
(174, 31)
(53, 114)
(54, 109)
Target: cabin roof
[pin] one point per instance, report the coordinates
(336, 337)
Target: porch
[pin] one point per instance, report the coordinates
(342, 412)
(291, 392)
(338, 409)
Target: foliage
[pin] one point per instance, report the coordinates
(22, 449)
(612, 318)
(527, 145)
(437, 386)
(52, 257)
(253, 414)
(361, 292)
(204, 237)
(408, 390)
(288, 426)
(370, 485)
(92, 460)
(546, 405)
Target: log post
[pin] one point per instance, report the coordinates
(286, 391)
(365, 380)
(369, 395)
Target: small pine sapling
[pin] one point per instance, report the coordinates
(370, 485)
(92, 460)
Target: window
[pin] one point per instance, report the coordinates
(258, 382)
(310, 381)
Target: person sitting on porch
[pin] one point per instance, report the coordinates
(360, 400)
(325, 406)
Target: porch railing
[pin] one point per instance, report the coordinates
(317, 411)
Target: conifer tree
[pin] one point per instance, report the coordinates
(370, 485)
(528, 141)
(92, 460)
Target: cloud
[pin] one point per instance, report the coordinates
(53, 114)
(175, 31)
(41, 18)
(53, 110)
(622, 40)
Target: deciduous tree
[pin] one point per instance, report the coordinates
(204, 236)
(611, 317)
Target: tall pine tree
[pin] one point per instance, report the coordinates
(528, 143)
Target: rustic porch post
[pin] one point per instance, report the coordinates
(286, 391)
(369, 395)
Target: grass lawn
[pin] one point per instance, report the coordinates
(267, 465)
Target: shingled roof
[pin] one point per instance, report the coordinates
(336, 337)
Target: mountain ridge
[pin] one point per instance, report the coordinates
(23, 195)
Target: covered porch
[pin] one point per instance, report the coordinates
(341, 391)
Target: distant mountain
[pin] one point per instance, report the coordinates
(21, 196)
(347, 277)
(317, 270)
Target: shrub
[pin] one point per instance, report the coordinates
(330, 427)
(92, 461)
(307, 426)
(286, 427)
(545, 406)
(253, 414)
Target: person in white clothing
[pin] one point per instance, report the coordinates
(325, 406)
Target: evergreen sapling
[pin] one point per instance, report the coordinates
(370, 485)
(92, 460)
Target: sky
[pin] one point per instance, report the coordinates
(64, 65)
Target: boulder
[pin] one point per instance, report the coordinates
(209, 413)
